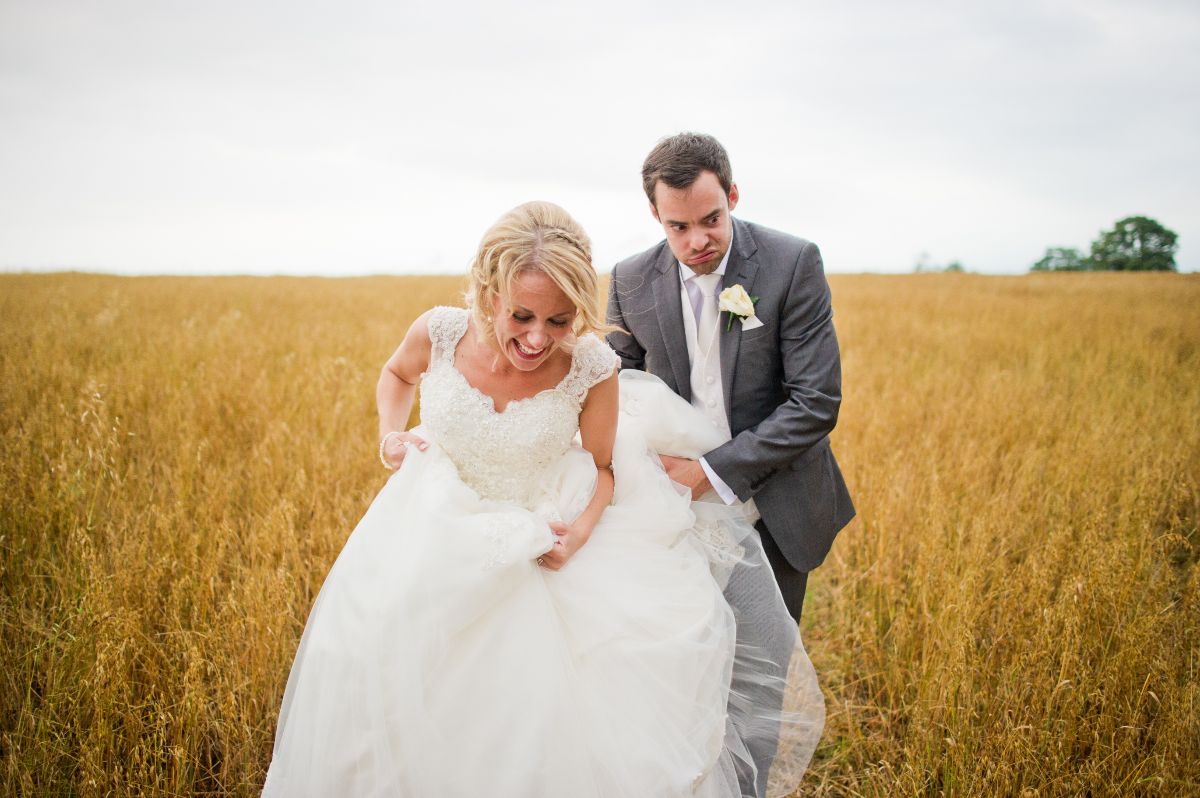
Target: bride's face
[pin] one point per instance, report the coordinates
(533, 320)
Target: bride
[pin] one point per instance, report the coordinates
(530, 607)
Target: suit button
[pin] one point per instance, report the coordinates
(712, 402)
(711, 380)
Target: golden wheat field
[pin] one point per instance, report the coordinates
(1015, 611)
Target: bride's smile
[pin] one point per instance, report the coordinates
(533, 321)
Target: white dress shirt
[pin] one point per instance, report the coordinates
(715, 401)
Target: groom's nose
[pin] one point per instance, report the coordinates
(698, 241)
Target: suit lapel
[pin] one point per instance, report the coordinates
(669, 309)
(741, 270)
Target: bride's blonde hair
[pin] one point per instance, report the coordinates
(536, 236)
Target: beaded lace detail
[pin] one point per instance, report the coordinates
(503, 455)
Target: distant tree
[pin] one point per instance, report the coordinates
(1062, 259)
(925, 263)
(1136, 243)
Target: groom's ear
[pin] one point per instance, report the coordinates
(733, 196)
(654, 213)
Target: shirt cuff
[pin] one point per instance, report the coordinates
(724, 491)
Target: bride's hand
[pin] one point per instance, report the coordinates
(567, 541)
(396, 446)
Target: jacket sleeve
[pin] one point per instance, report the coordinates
(812, 380)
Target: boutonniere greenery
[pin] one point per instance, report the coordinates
(736, 302)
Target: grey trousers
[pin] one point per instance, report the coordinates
(792, 583)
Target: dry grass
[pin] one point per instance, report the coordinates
(1016, 610)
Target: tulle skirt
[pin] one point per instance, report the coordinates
(440, 660)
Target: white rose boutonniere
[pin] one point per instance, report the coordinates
(736, 302)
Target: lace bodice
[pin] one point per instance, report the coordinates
(503, 455)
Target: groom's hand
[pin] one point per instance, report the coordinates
(688, 473)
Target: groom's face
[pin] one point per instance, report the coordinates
(696, 220)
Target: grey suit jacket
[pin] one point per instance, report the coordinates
(782, 381)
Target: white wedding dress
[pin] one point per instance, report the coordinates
(440, 660)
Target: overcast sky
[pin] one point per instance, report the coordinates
(337, 138)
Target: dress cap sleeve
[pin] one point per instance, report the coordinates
(593, 361)
(447, 325)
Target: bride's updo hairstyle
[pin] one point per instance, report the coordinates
(541, 237)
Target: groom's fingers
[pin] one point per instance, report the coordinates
(688, 473)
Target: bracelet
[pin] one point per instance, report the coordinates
(382, 444)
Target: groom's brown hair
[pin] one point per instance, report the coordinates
(678, 160)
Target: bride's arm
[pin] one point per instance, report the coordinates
(597, 429)
(397, 389)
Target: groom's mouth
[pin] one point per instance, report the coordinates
(702, 258)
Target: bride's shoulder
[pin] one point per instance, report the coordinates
(430, 336)
(593, 360)
(592, 345)
(443, 324)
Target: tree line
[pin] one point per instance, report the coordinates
(1135, 243)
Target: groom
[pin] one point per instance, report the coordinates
(767, 374)
(769, 380)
